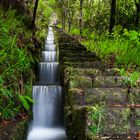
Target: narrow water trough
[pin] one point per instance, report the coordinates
(48, 120)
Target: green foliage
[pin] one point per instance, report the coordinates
(125, 48)
(18, 56)
(138, 122)
(96, 118)
(15, 61)
(130, 79)
(126, 12)
(96, 14)
(45, 11)
(25, 100)
(74, 31)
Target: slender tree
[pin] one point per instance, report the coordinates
(63, 16)
(16, 4)
(112, 15)
(34, 14)
(81, 16)
(137, 3)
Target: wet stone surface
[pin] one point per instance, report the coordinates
(100, 96)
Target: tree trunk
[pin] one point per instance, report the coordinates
(112, 16)
(138, 14)
(63, 19)
(34, 14)
(81, 17)
(15, 4)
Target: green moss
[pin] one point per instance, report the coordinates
(76, 123)
(20, 131)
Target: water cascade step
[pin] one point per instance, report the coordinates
(48, 123)
(49, 56)
(49, 72)
(50, 47)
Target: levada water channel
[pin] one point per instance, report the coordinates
(47, 123)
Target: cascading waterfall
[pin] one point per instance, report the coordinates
(47, 121)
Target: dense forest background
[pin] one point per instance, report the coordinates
(108, 27)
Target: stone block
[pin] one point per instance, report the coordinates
(108, 121)
(111, 72)
(76, 123)
(114, 123)
(105, 96)
(135, 95)
(108, 81)
(81, 82)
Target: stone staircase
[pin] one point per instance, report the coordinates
(98, 106)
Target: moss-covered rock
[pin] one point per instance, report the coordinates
(106, 96)
(113, 123)
(14, 130)
(108, 81)
(134, 95)
(80, 82)
(20, 131)
(76, 123)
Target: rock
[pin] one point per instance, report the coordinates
(80, 82)
(20, 131)
(108, 81)
(76, 123)
(91, 72)
(14, 131)
(109, 121)
(111, 72)
(100, 96)
(135, 96)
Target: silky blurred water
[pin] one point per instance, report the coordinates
(48, 123)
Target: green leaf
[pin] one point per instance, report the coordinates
(1, 80)
(24, 102)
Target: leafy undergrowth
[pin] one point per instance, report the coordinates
(19, 57)
(124, 48)
(16, 60)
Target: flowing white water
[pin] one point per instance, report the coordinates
(48, 120)
(50, 38)
(48, 134)
(50, 47)
(49, 72)
(49, 56)
(50, 42)
(48, 105)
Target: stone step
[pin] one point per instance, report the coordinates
(134, 94)
(85, 64)
(78, 59)
(104, 123)
(101, 96)
(83, 81)
(116, 123)
(108, 81)
(76, 54)
(105, 96)
(72, 47)
(74, 50)
(92, 72)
